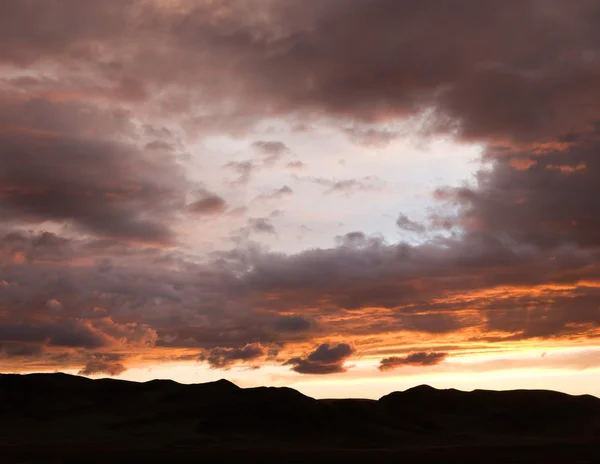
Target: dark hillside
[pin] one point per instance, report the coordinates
(62, 412)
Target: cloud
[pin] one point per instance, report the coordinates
(45, 246)
(295, 165)
(357, 239)
(432, 288)
(272, 149)
(71, 187)
(103, 364)
(420, 358)
(52, 170)
(270, 152)
(159, 145)
(208, 204)
(371, 136)
(404, 223)
(54, 305)
(326, 359)
(348, 186)
(96, 104)
(280, 59)
(71, 334)
(20, 350)
(435, 323)
(223, 358)
(293, 324)
(427, 289)
(244, 170)
(540, 206)
(276, 194)
(262, 226)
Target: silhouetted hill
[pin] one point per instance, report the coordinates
(59, 410)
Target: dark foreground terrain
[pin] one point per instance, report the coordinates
(61, 418)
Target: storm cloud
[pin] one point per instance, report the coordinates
(420, 358)
(221, 358)
(119, 120)
(326, 359)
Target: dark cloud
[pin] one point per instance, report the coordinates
(540, 205)
(108, 364)
(20, 350)
(159, 145)
(208, 204)
(51, 307)
(300, 56)
(223, 358)
(244, 170)
(69, 334)
(530, 317)
(272, 149)
(74, 180)
(437, 323)
(293, 324)
(138, 298)
(270, 152)
(83, 149)
(262, 226)
(326, 359)
(404, 223)
(360, 273)
(51, 169)
(405, 278)
(421, 358)
(281, 58)
(75, 27)
(371, 136)
(358, 239)
(45, 246)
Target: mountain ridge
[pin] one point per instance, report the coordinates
(41, 409)
(225, 382)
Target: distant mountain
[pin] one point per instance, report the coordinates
(59, 410)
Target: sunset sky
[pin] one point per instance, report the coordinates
(348, 197)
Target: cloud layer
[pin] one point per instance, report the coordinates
(114, 208)
(325, 359)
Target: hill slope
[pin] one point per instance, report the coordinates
(57, 409)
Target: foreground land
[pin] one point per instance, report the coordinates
(60, 418)
(548, 454)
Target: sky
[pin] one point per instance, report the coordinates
(347, 197)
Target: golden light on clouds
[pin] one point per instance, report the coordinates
(257, 191)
